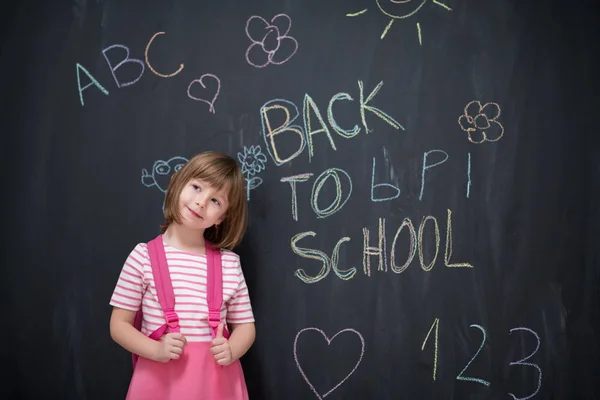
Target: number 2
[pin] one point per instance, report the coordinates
(435, 329)
(460, 376)
(520, 362)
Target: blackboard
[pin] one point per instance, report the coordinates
(422, 184)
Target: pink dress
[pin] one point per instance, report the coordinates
(195, 376)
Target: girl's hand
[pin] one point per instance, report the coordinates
(220, 349)
(170, 347)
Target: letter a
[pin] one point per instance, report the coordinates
(93, 82)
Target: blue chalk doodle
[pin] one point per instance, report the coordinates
(253, 161)
(161, 173)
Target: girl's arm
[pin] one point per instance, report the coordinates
(242, 337)
(125, 334)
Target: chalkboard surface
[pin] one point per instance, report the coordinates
(422, 178)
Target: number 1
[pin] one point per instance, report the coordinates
(436, 324)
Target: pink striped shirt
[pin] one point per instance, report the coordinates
(136, 287)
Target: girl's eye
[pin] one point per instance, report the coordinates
(216, 202)
(196, 187)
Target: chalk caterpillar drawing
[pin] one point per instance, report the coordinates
(211, 103)
(253, 161)
(481, 122)
(267, 40)
(161, 172)
(400, 9)
(362, 351)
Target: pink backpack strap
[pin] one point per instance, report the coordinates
(164, 288)
(214, 283)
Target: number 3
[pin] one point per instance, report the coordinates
(521, 362)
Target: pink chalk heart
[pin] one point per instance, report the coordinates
(362, 351)
(211, 103)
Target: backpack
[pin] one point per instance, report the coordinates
(166, 298)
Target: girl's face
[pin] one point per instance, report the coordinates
(201, 205)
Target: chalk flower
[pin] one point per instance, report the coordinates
(253, 160)
(481, 122)
(270, 41)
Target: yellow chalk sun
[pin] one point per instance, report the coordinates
(404, 6)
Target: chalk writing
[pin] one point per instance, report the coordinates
(161, 172)
(211, 103)
(329, 340)
(378, 251)
(521, 362)
(292, 180)
(93, 82)
(412, 245)
(253, 161)
(415, 244)
(431, 159)
(337, 203)
(437, 242)
(400, 9)
(148, 61)
(448, 251)
(305, 134)
(329, 174)
(331, 118)
(327, 263)
(426, 167)
(481, 122)
(309, 105)
(269, 133)
(468, 175)
(364, 107)
(436, 325)
(126, 60)
(461, 377)
(266, 47)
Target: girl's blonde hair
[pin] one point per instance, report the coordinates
(220, 171)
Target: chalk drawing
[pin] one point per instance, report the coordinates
(400, 9)
(481, 122)
(211, 103)
(161, 172)
(362, 351)
(253, 161)
(267, 41)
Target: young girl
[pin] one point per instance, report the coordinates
(205, 200)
